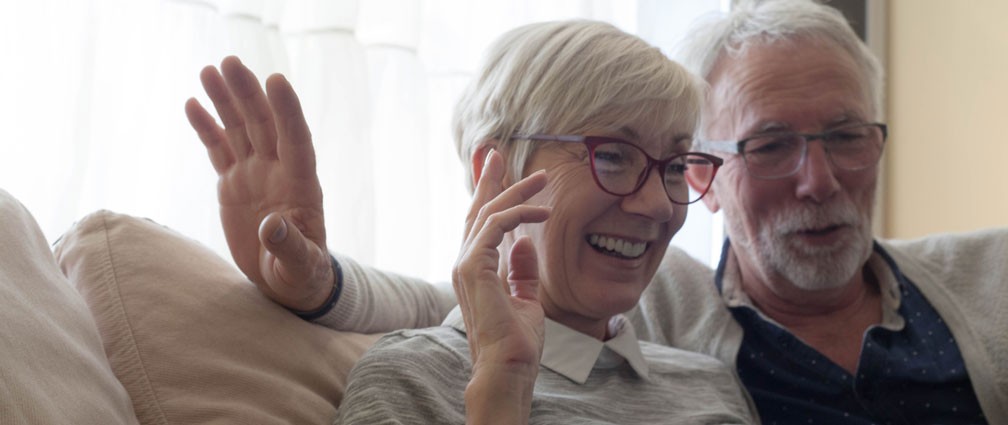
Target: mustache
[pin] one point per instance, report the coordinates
(817, 217)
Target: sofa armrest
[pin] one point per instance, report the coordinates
(53, 369)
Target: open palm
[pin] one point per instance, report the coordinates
(269, 193)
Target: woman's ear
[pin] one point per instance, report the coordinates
(479, 160)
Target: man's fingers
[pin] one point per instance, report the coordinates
(234, 123)
(210, 134)
(250, 100)
(299, 272)
(295, 146)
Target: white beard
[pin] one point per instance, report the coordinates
(776, 252)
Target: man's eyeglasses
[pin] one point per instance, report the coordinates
(780, 154)
(620, 168)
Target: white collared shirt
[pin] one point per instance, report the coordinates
(573, 354)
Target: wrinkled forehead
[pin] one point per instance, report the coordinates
(660, 126)
(795, 82)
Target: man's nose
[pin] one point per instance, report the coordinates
(816, 175)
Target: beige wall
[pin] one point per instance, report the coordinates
(947, 161)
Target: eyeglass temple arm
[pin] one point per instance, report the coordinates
(552, 138)
(729, 146)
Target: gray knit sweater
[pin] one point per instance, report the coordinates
(420, 376)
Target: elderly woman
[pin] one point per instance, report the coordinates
(550, 259)
(594, 126)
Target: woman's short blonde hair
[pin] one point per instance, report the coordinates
(568, 77)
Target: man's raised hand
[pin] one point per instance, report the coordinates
(269, 193)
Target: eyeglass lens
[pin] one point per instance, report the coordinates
(621, 169)
(781, 154)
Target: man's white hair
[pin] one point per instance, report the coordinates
(775, 21)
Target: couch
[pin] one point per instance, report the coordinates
(124, 321)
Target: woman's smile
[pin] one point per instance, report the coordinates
(616, 246)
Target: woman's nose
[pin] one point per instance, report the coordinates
(651, 200)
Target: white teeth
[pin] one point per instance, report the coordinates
(623, 247)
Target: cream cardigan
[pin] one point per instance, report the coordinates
(964, 276)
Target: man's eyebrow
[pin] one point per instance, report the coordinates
(773, 126)
(846, 118)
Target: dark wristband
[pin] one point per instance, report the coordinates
(333, 296)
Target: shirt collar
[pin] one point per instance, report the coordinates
(729, 279)
(573, 354)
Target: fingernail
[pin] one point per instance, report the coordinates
(280, 233)
(487, 159)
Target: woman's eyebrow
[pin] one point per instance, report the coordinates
(629, 133)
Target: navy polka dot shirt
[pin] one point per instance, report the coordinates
(914, 375)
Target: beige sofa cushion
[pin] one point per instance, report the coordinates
(52, 366)
(191, 339)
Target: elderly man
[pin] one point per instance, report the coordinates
(823, 324)
(834, 327)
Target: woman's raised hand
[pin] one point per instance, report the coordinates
(269, 193)
(503, 316)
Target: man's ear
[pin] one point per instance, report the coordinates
(479, 160)
(710, 199)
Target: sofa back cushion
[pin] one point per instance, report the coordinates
(53, 368)
(191, 339)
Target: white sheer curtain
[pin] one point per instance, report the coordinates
(92, 114)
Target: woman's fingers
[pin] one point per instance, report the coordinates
(492, 231)
(476, 280)
(482, 294)
(251, 103)
(506, 322)
(523, 270)
(488, 187)
(510, 197)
